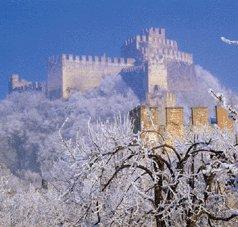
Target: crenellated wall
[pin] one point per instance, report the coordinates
(149, 38)
(145, 57)
(68, 72)
(146, 120)
(94, 60)
(153, 40)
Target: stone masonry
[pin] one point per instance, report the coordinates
(222, 118)
(143, 66)
(68, 73)
(174, 121)
(146, 121)
(199, 116)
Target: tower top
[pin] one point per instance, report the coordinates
(154, 31)
(153, 41)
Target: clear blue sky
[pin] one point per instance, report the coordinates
(31, 31)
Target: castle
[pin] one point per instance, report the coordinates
(143, 66)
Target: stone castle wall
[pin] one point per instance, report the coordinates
(174, 121)
(83, 72)
(200, 116)
(146, 120)
(150, 51)
(223, 120)
(157, 76)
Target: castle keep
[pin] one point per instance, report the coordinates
(143, 65)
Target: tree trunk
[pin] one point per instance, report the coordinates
(190, 223)
(158, 198)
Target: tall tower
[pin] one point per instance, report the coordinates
(152, 49)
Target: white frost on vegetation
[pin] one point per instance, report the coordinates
(228, 41)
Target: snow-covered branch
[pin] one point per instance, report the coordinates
(228, 41)
(221, 100)
(188, 183)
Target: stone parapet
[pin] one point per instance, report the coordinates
(147, 120)
(199, 116)
(174, 121)
(222, 118)
(103, 60)
(154, 39)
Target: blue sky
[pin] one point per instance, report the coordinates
(31, 31)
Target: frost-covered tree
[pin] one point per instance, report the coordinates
(101, 173)
(117, 180)
(112, 178)
(30, 122)
(24, 204)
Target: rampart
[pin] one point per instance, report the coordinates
(103, 60)
(82, 73)
(147, 121)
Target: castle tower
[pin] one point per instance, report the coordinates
(152, 49)
(157, 73)
(153, 41)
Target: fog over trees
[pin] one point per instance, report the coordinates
(78, 163)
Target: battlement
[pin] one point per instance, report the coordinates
(151, 35)
(150, 39)
(168, 53)
(146, 119)
(103, 60)
(137, 68)
(172, 55)
(178, 56)
(144, 59)
(71, 72)
(154, 31)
